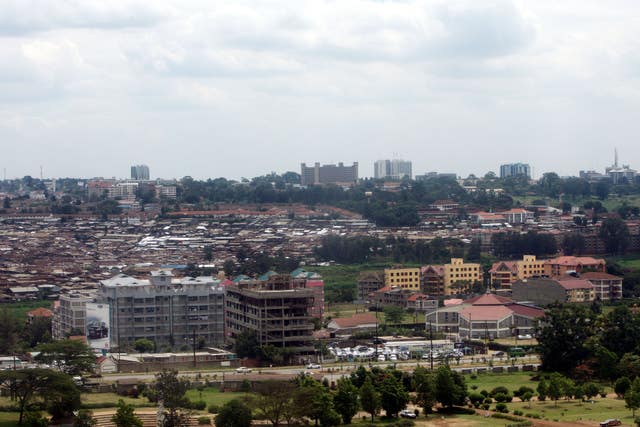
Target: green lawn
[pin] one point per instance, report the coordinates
(512, 381)
(573, 410)
(213, 396)
(19, 309)
(632, 263)
(9, 419)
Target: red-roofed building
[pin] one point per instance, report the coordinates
(357, 322)
(607, 286)
(39, 313)
(542, 291)
(561, 266)
(487, 316)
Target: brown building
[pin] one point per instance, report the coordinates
(368, 283)
(561, 266)
(607, 286)
(549, 291)
(277, 310)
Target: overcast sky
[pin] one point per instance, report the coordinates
(241, 88)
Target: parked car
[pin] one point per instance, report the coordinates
(498, 354)
(313, 366)
(611, 422)
(243, 370)
(407, 413)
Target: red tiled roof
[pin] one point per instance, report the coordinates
(416, 297)
(438, 269)
(525, 310)
(488, 299)
(511, 265)
(598, 275)
(485, 312)
(575, 284)
(452, 301)
(574, 260)
(356, 320)
(40, 312)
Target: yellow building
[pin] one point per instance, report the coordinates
(530, 267)
(405, 278)
(459, 272)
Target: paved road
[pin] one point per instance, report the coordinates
(332, 372)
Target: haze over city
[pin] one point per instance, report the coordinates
(244, 88)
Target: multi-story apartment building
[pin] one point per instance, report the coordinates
(452, 278)
(561, 266)
(504, 273)
(405, 278)
(368, 283)
(392, 169)
(329, 174)
(607, 286)
(140, 172)
(70, 315)
(515, 169)
(171, 313)
(550, 291)
(277, 310)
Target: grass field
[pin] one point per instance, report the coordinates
(213, 396)
(19, 309)
(9, 419)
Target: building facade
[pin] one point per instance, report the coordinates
(542, 291)
(368, 283)
(607, 286)
(276, 310)
(171, 313)
(395, 169)
(329, 174)
(404, 278)
(515, 169)
(140, 172)
(70, 315)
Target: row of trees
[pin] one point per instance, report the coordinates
(360, 249)
(372, 391)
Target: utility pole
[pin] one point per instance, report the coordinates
(431, 344)
(194, 347)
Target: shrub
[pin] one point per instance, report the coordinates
(485, 393)
(404, 423)
(198, 405)
(500, 389)
(518, 412)
(486, 406)
(476, 399)
(204, 421)
(500, 397)
(213, 408)
(522, 390)
(501, 407)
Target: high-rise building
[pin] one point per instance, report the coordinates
(328, 174)
(140, 172)
(515, 169)
(170, 312)
(69, 315)
(392, 169)
(278, 310)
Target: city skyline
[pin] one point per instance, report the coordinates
(245, 88)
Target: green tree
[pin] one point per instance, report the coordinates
(37, 331)
(274, 401)
(171, 391)
(450, 387)
(393, 396)
(615, 235)
(622, 386)
(555, 388)
(246, 344)
(234, 413)
(144, 345)
(474, 253)
(9, 333)
(85, 419)
(345, 400)
(424, 384)
(370, 398)
(55, 390)
(394, 314)
(125, 416)
(632, 397)
(73, 357)
(562, 337)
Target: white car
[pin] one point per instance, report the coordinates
(314, 366)
(243, 370)
(407, 413)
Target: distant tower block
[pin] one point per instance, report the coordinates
(140, 172)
